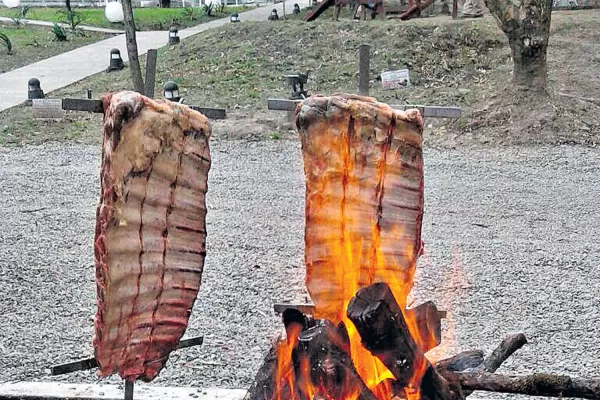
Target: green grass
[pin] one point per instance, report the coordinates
(146, 18)
(239, 66)
(35, 43)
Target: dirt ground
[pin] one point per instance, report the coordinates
(512, 244)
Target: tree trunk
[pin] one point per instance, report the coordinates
(132, 49)
(165, 3)
(527, 27)
(68, 5)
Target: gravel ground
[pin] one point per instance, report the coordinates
(511, 236)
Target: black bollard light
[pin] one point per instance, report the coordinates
(116, 62)
(171, 91)
(296, 83)
(235, 17)
(173, 36)
(296, 9)
(34, 91)
(274, 16)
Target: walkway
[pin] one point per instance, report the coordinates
(50, 24)
(75, 65)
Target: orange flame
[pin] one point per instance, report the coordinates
(350, 248)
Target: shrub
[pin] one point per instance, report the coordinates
(60, 35)
(5, 40)
(71, 18)
(208, 9)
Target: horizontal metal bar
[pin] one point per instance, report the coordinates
(309, 309)
(81, 365)
(191, 342)
(303, 308)
(426, 111)
(91, 363)
(96, 106)
(282, 104)
(211, 113)
(433, 111)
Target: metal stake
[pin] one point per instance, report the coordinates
(128, 390)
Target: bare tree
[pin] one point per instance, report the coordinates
(526, 23)
(132, 49)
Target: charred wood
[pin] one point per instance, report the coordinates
(532, 385)
(322, 362)
(508, 346)
(466, 360)
(385, 333)
(427, 319)
(269, 383)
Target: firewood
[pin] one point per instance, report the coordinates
(460, 362)
(384, 332)
(322, 361)
(532, 385)
(508, 346)
(427, 318)
(263, 384)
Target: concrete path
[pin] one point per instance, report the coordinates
(47, 23)
(75, 65)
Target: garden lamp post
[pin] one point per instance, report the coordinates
(173, 36)
(171, 91)
(34, 91)
(235, 17)
(116, 62)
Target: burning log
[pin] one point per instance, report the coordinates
(427, 319)
(323, 365)
(268, 384)
(386, 334)
(532, 385)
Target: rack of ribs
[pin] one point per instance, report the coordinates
(149, 244)
(363, 165)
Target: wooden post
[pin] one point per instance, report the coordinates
(150, 73)
(364, 54)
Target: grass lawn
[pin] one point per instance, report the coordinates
(146, 19)
(35, 43)
(464, 63)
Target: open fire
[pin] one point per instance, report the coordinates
(364, 205)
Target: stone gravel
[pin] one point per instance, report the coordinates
(511, 245)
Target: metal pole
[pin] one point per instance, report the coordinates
(128, 390)
(284, 9)
(364, 54)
